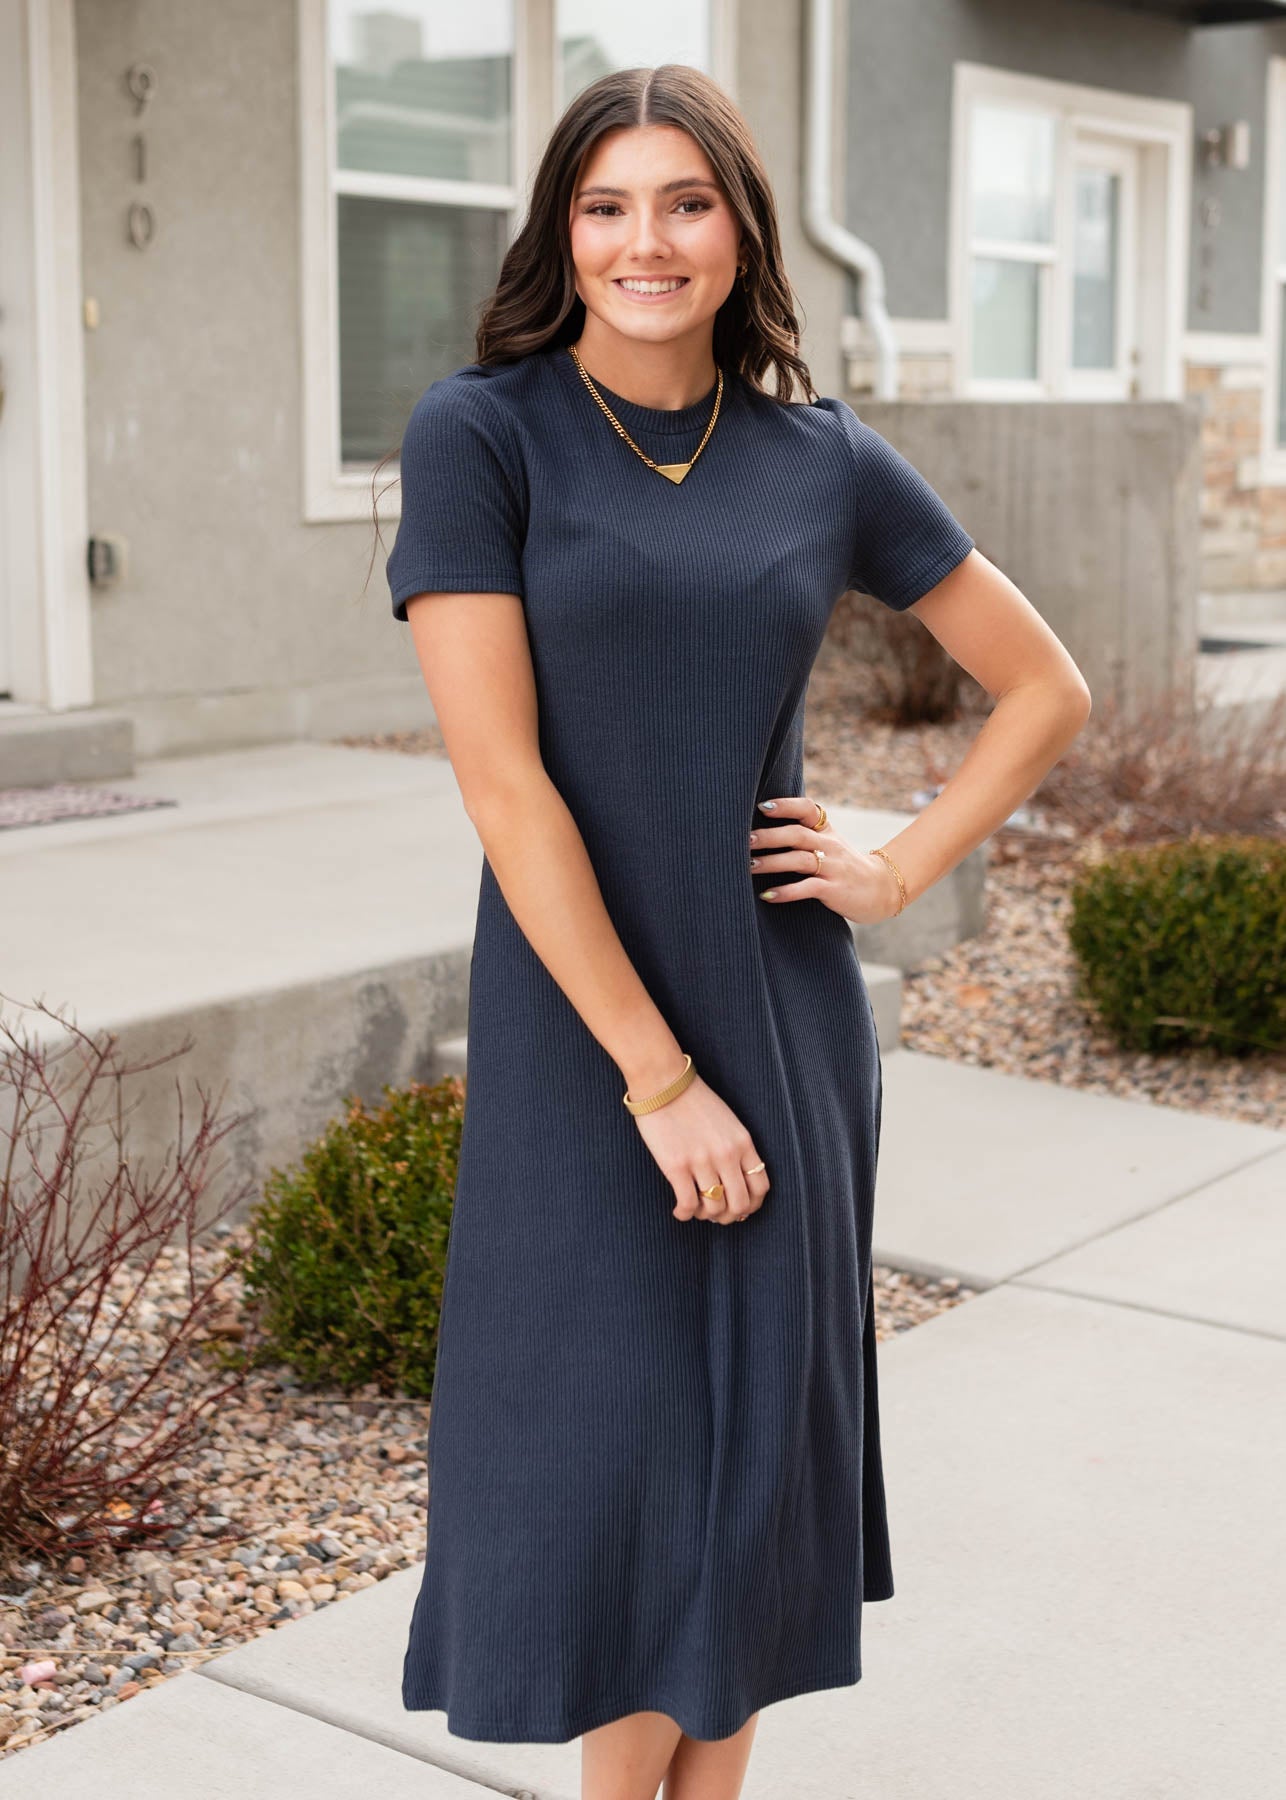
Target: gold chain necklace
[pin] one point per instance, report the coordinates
(672, 471)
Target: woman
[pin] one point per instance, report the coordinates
(656, 1502)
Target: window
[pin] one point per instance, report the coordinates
(420, 124)
(1066, 265)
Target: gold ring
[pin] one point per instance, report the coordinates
(753, 1171)
(822, 820)
(712, 1193)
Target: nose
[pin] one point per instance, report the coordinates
(647, 237)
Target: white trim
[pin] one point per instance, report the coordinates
(915, 337)
(50, 626)
(1270, 470)
(1162, 131)
(1220, 348)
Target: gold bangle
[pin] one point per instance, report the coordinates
(901, 884)
(669, 1092)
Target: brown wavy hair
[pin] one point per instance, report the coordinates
(534, 305)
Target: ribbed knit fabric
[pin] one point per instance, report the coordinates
(653, 1446)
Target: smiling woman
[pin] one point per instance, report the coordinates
(656, 1500)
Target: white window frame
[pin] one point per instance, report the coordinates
(1272, 455)
(1164, 128)
(330, 492)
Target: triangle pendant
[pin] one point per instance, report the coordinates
(673, 471)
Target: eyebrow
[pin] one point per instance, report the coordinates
(667, 187)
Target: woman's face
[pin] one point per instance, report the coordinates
(647, 208)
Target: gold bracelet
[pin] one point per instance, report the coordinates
(669, 1092)
(901, 884)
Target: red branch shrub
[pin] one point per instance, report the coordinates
(90, 1429)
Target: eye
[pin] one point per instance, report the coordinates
(695, 200)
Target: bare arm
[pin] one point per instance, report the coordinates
(476, 661)
(992, 630)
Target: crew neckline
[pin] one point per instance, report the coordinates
(664, 421)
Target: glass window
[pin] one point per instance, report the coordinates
(1006, 314)
(1013, 174)
(1011, 163)
(422, 112)
(1094, 269)
(409, 281)
(595, 36)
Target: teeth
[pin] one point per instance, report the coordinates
(651, 287)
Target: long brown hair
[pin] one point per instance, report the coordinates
(534, 305)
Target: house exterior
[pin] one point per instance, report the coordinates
(237, 242)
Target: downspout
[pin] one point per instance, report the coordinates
(820, 224)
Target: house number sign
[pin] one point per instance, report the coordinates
(140, 79)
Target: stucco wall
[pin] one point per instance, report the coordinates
(193, 397)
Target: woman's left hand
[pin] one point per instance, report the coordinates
(855, 883)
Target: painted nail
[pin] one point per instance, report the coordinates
(767, 805)
(754, 862)
(767, 893)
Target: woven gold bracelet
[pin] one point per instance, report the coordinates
(901, 884)
(670, 1092)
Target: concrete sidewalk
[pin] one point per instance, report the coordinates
(1084, 1465)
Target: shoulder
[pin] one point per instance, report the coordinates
(475, 411)
(826, 424)
(500, 392)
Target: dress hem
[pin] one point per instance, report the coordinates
(491, 1731)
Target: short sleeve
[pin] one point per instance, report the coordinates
(463, 498)
(905, 537)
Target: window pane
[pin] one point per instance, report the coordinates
(1012, 173)
(411, 280)
(423, 90)
(1005, 319)
(595, 36)
(1094, 269)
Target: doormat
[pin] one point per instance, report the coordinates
(68, 800)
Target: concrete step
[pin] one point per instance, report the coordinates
(38, 748)
(303, 915)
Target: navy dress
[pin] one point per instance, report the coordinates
(653, 1445)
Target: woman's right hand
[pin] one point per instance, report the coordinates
(698, 1140)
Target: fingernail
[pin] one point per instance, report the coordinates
(767, 893)
(767, 805)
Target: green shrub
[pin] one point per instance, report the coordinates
(348, 1248)
(1183, 944)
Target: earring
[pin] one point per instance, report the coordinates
(742, 267)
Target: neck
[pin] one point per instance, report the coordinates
(666, 376)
